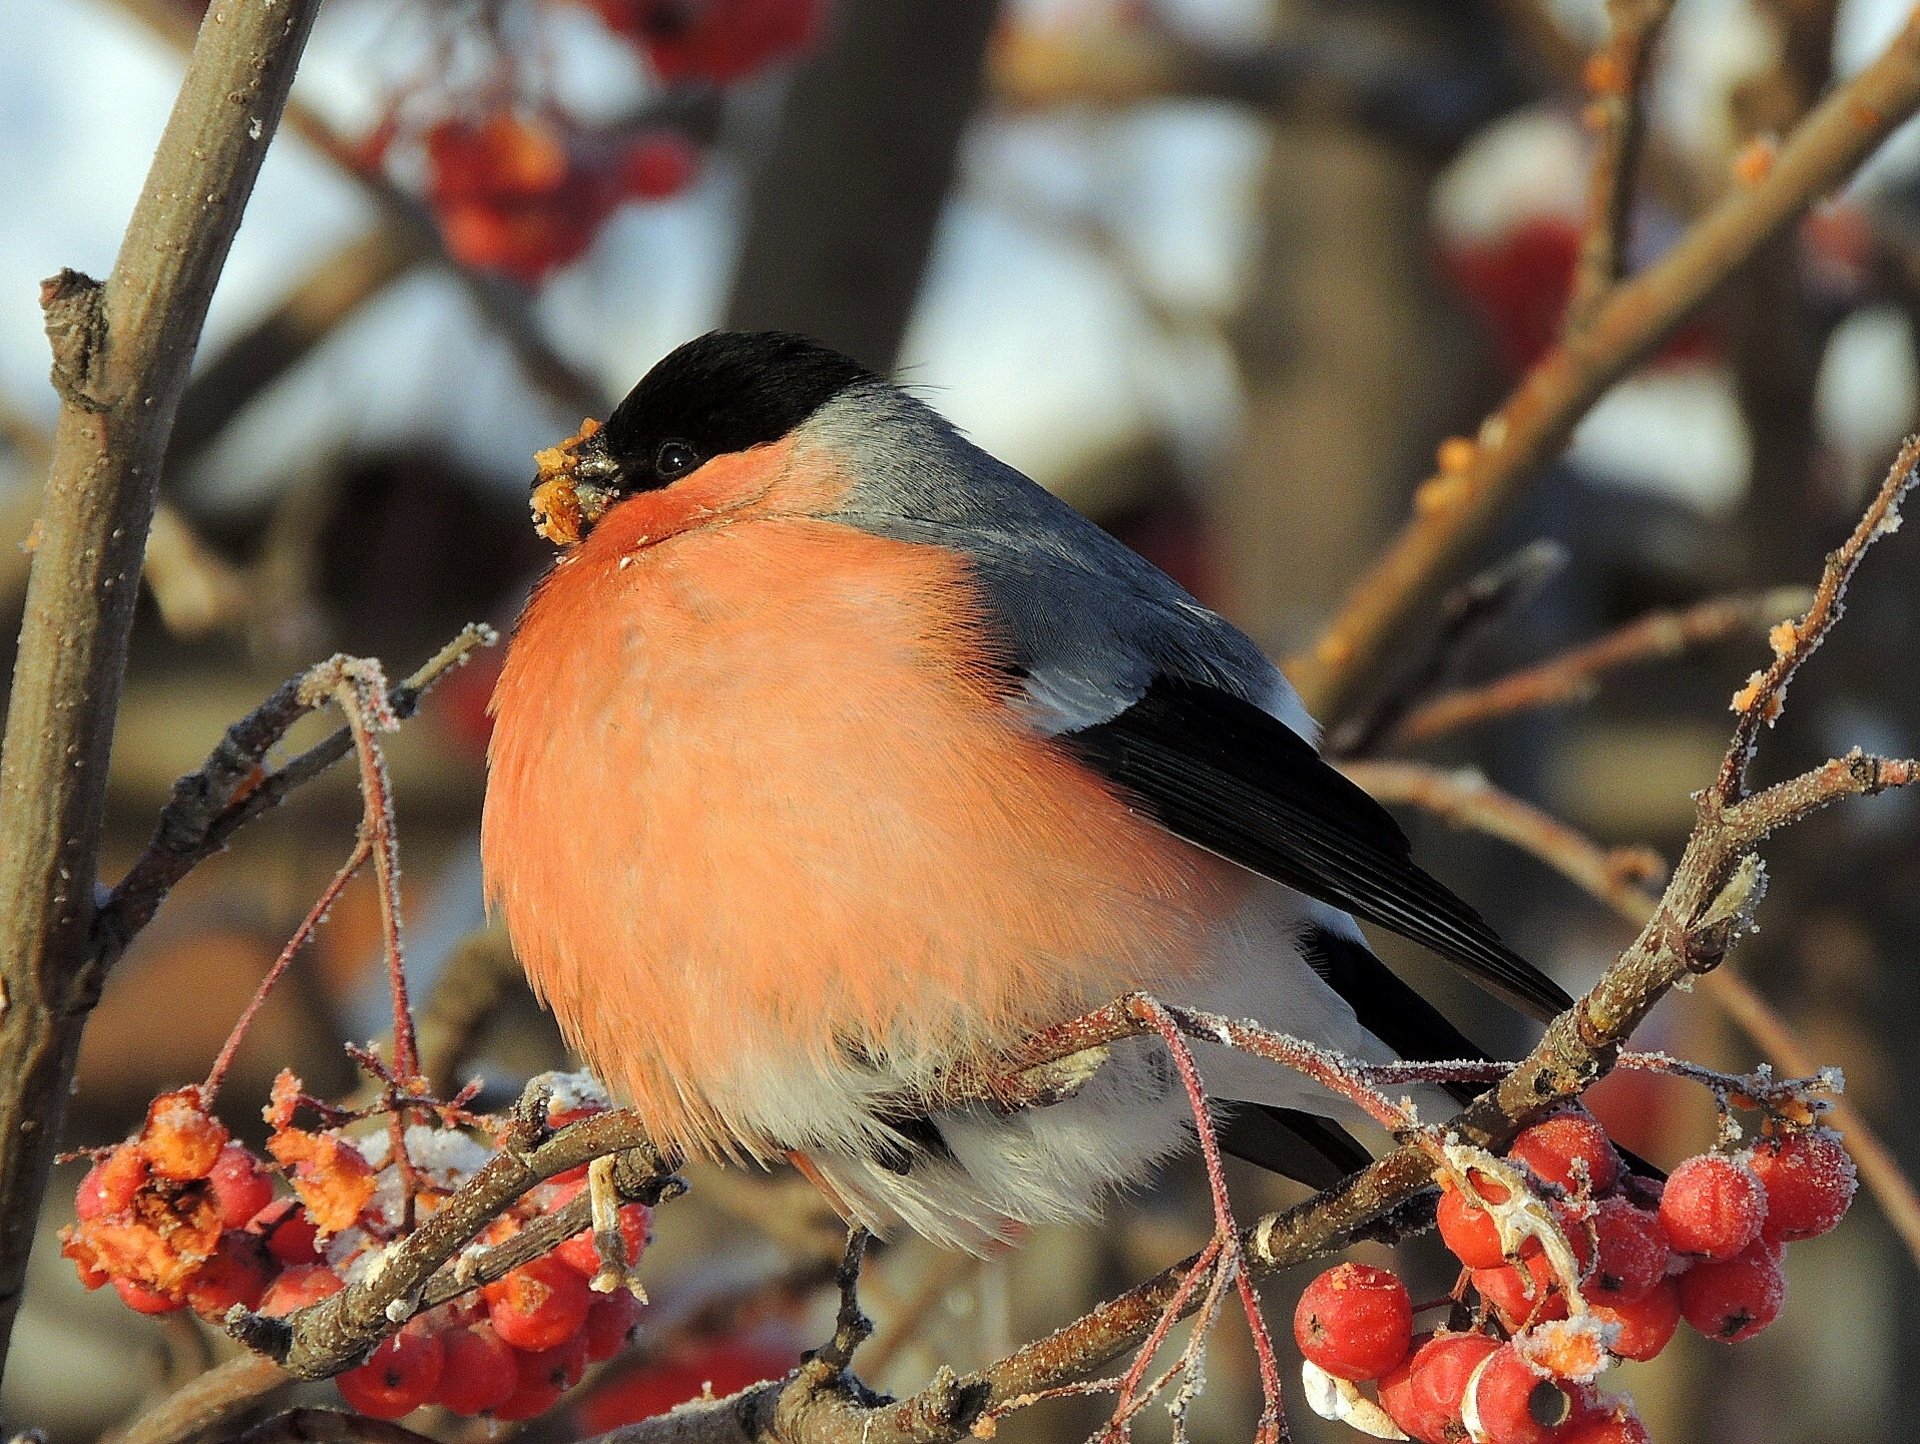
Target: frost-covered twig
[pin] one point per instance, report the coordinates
(235, 785)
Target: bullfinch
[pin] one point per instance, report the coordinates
(833, 752)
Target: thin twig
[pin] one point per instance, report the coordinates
(309, 925)
(233, 787)
(1455, 509)
(1575, 675)
(1616, 78)
(358, 688)
(1794, 642)
(1467, 615)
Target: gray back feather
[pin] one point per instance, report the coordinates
(1091, 622)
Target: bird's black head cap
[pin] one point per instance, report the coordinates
(722, 392)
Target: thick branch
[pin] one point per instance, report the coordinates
(1456, 508)
(121, 353)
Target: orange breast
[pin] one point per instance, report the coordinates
(757, 802)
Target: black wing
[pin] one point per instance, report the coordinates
(1230, 778)
(1296, 1145)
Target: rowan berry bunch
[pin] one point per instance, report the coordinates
(518, 184)
(1570, 1263)
(182, 1216)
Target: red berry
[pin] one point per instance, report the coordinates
(654, 167)
(181, 1140)
(1355, 1321)
(1809, 1181)
(1734, 1299)
(539, 1305)
(1570, 1149)
(1439, 1378)
(1517, 1403)
(580, 1255)
(397, 1378)
(1618, 1426)
(240, 1186)
(1468, 1229)
(144, 1300)
(1396, 1396)
(1519, 1297)
(1646, 1323)
(478, 1372)
(610, 1324)
(1633, 1252)
(290, 1234)
(237, 1272)
(111, 1184)
(1713, 1206)
(299, 1286)
(543, 1378)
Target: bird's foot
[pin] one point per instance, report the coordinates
(833, 1360)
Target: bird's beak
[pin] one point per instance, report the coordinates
(575, 484)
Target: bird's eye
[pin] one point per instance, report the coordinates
(674, 458)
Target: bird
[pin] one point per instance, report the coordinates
(833, 753)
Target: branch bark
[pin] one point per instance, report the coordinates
(1455, 509)
(121, 352)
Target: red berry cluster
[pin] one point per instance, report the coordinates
(712, 41)
(525, 194)
(181, 1216)
(520, 187)
(1705, 1248)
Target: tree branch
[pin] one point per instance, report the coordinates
(1616, 80)
(121, 353)
(1454, 509)
(1575, 675)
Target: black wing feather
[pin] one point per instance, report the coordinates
(1301, 1146)
(1228, 777)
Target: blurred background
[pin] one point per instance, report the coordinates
(1224, 273)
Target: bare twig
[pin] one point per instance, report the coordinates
(1616, 876)
(309, 925)
(1575, 675)
(121, 354)
(1616, 80)
(357, 686)
(1455, 508)
(1467, 614)
(234, 787)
